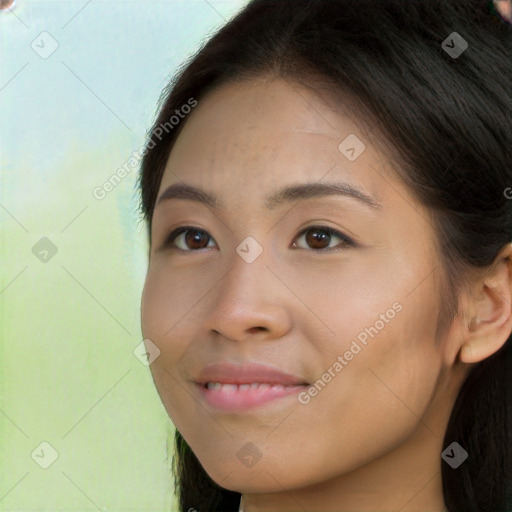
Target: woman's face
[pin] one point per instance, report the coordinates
(256, 284)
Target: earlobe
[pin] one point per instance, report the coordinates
(466, 354)
(491, 324)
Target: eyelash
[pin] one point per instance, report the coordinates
(346, 241)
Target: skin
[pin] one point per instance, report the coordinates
(371, 439)
(505, 8)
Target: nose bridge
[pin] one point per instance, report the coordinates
(244, 298)
(248, 271)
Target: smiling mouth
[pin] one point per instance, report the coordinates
(240, 397)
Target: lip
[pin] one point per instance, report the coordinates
(243, 399)
(275, 384)
(229, 373)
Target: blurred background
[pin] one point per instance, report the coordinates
(82, 427)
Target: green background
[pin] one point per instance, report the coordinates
(70, 321)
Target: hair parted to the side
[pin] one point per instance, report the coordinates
(448, 121)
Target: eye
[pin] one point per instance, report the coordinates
(192, 239)
(319, 237)
(194, 236)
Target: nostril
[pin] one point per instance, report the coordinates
(256, 329)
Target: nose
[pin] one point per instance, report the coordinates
(249, 300)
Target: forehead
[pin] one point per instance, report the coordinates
(244, 141)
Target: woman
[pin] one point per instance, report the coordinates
(329, 281)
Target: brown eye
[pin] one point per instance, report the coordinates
(320, 237)
(194, 239)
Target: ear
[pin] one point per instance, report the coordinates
(491, 319)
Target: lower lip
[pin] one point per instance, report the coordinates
(245, 398)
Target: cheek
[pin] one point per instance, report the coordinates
(169, 308)
(154, 309)
(388, 372)
(388, 348)
(160, 320)
(164, 302)
(373, 404)
(159, 314)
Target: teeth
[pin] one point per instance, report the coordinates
(236, 387)
(229, 387)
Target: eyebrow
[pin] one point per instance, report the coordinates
(286, 194)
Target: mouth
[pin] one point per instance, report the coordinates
(232, 397)
(230, 387)
(234, 387)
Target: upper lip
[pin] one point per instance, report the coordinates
(230, 373)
